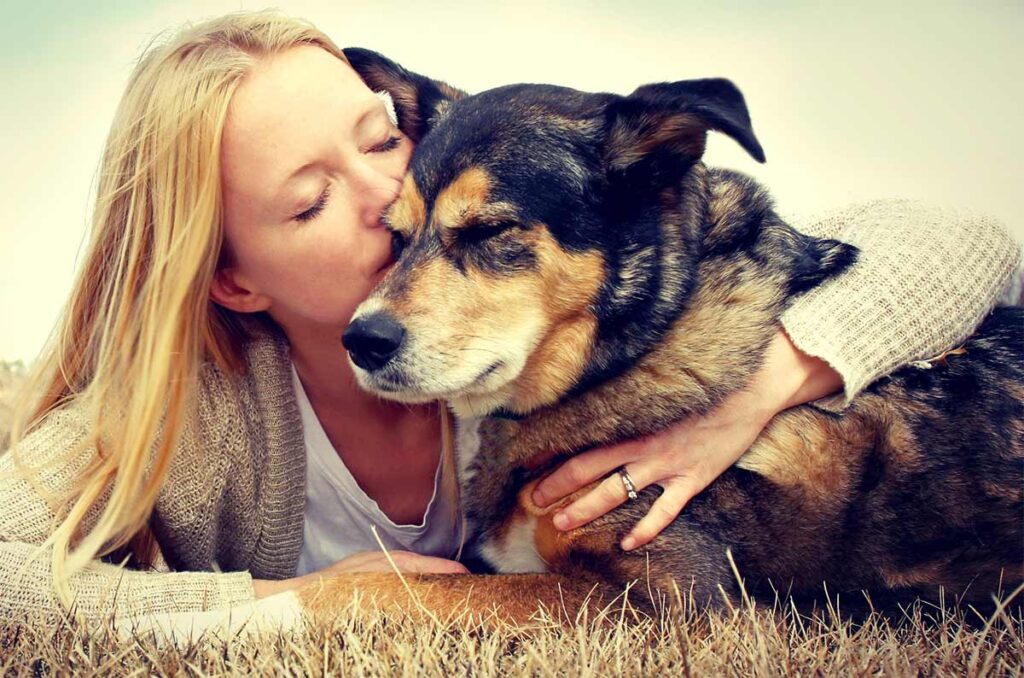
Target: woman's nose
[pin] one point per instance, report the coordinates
(374, 188)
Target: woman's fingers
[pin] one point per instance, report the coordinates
(611, 492)
(582, 470)
(405, 561)
(664, 510)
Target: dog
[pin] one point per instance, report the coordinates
(568, 270)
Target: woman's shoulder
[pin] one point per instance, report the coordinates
(62, 430)
(264, 371)
(252, 410)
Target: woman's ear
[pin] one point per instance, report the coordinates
(231, 290)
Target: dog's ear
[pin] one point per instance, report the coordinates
(816, 260)
(668, 123)
(419, 101)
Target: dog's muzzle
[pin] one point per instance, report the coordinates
(373, 340)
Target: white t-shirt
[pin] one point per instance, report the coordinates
(339, 514)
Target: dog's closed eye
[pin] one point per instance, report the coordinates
(480, 232)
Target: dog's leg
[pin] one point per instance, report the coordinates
(514, 599)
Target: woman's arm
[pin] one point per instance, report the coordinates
(924, 280)
(105, 592)
(686, 457)
(102, 592)
(182, 602)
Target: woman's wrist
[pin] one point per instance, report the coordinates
(264, 588)
(790, 377)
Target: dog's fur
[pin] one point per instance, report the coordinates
(568, 268)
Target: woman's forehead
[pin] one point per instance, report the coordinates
(286, 109)
(285, 89)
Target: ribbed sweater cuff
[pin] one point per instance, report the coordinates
(923, 282)
(235, 588)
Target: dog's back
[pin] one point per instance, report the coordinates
(916, 486)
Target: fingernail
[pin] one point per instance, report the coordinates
(561, 521)
(628, 544)
(538, 498)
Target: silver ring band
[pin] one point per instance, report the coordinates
(627, 482)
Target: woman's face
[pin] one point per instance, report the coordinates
(310, 160)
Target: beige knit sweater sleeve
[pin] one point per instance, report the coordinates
(103, 592)
(924, 280)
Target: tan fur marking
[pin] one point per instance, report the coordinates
(569, 282)
(798, 450)
(552, 544)
(903, 448)
(727, 204)
(408, 212)
(921, 576)
(555, 365)
(462, 198)
(724, 211)
(1009, 492)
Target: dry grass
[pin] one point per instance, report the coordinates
(742, 642)
(745, 641)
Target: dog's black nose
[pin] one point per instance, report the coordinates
(372, 341)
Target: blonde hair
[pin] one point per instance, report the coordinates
(140, 321)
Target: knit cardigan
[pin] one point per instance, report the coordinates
(231, 508)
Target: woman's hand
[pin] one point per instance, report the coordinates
(365, 561)
(687, 456)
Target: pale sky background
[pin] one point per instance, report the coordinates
(922, 99)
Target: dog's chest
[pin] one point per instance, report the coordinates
(514, 548)
(511, 533)
(506, 533)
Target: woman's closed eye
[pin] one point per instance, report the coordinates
(389, 144)
(318, 207)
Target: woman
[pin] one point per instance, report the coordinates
(198, 413)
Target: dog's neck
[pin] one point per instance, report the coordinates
(747, 266)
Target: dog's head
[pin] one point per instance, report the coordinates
(528, 212)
